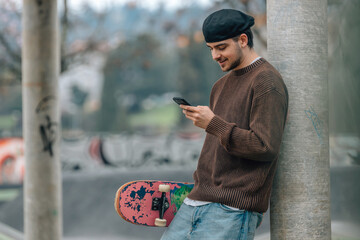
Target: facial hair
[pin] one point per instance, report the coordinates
(238, 60)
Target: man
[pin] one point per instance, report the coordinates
(244, 125)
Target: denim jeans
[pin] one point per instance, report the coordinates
(212, 221)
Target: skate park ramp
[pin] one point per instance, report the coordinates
(88, 211)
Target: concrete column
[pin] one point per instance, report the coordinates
(41, 120)
(297, 47)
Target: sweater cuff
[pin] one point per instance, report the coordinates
(218, 126)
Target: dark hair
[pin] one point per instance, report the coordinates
(249, 36)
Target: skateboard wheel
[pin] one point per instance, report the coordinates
(164, 188)
(160, 222)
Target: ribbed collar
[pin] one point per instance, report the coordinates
(246, 69)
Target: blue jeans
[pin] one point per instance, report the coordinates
(212, 221)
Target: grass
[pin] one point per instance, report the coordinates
(165, 116)
(6, 122)
(8, 194)
(3, 237)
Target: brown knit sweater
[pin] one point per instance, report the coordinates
(239, 157)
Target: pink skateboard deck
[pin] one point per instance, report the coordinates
(141, 202)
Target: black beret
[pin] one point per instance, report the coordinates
(225, 24)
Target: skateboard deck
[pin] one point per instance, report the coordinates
(142, 203)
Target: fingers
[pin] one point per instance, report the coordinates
(190, 114)
(191, 117)
(200, 115)
(195, 117)
(188, 108)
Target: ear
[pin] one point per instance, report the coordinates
(243, 40)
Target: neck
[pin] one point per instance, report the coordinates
(249, 56)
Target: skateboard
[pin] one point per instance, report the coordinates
(150, 203)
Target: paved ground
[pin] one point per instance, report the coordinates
(88, 205)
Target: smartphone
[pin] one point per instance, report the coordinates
(182, 101)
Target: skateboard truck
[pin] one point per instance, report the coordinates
(161, 204)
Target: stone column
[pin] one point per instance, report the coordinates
(297, 47)
(41, 120)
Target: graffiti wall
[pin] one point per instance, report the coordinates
(134, 151)
(93, 153)
(11, 161)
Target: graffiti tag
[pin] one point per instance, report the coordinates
(316, 122)
(48, 128)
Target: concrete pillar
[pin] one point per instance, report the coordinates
(41, 120)
(297, 47)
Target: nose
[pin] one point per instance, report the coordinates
(215, 55)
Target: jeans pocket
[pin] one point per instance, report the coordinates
(230, 209)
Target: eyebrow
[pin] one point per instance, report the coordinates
(217, 45)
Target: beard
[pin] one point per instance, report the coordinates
(234, 64)
(237, 61)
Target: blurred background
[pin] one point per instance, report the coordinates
(122, 61)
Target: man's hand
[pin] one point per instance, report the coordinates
(200, 115)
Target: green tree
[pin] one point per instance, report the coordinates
(134, 71)
(344, 67)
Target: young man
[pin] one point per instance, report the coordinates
(244, 125)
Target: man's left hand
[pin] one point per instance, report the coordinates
(200, 115)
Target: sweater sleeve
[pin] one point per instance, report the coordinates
(261, 142)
